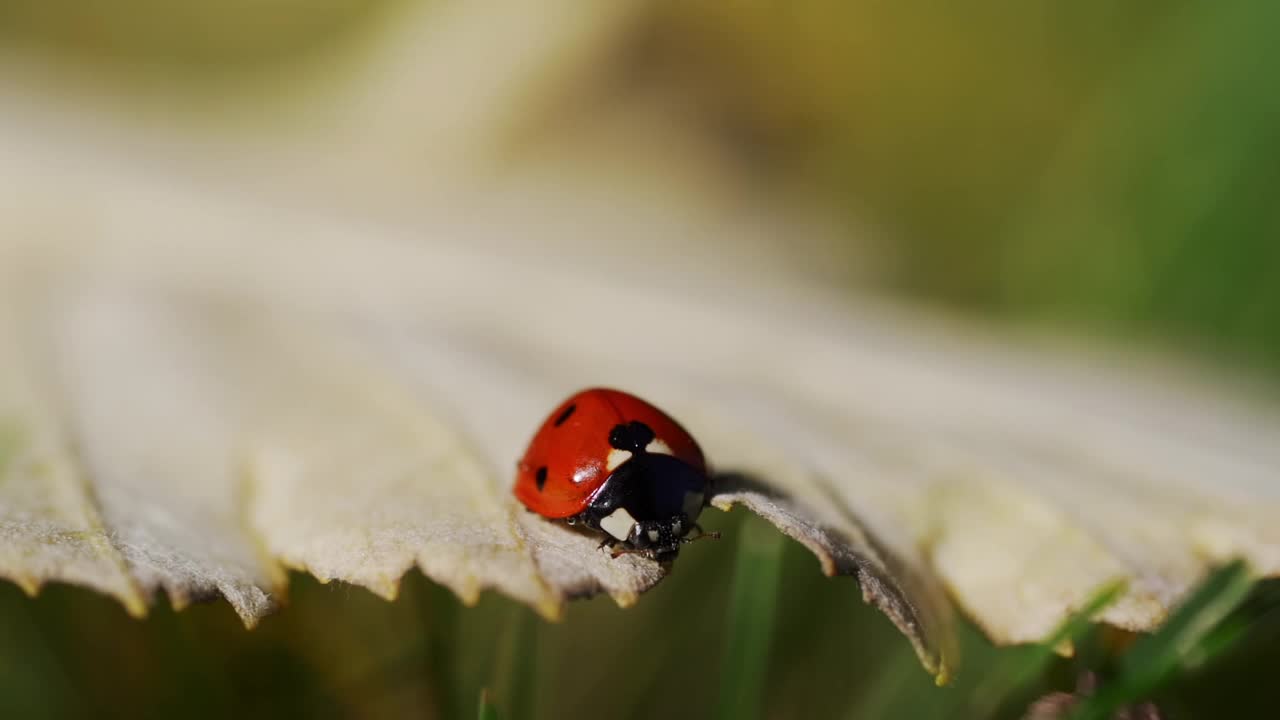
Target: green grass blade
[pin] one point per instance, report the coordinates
(487, 711)
(750, 622)
(441, 646)
(897, 684)
(515, 669)
(1189, 635)
(1078, 624)
(1017, 670)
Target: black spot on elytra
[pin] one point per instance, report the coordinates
(564, 415)
(633, 436)
(541, 477)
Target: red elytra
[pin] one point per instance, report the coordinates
(567, 461)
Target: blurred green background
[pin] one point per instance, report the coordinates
(1093, 164)
(1107, 168)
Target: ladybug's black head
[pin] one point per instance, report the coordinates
(651, 502)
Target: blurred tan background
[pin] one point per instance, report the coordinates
(1085, 163)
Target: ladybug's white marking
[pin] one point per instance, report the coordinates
(657, 447)
(618, 523)
(616, 458)
(692, 505)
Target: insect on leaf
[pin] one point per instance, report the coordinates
(207, 389)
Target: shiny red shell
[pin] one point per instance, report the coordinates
(566, 461)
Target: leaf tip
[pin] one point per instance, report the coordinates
(942, 669)
(625, 598)
(28, 584)
(178, 599)
(468, 592)
(722, 503)
(550, 608)
(388, 590)
(134, 605)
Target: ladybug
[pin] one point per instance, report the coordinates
(611, 462)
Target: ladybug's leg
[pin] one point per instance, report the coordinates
(618, 550)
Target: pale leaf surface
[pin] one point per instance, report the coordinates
(50, 528)
(131, 374)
